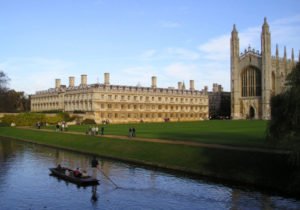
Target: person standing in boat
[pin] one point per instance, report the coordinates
(59, 168)
(94, 164)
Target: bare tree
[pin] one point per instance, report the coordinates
(3, 81)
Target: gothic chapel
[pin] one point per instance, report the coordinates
(256, 76)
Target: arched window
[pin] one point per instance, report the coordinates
(273, 83)
(251, 82)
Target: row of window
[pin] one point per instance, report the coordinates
(151, 115)
(120, 97)
(151, 98)
(148, 107)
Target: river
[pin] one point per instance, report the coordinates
(25, 184)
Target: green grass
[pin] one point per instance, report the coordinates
(146, 152)
(230, 132)
(268, 170)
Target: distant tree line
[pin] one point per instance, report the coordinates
(11, 100)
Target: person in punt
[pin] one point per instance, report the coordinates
(67, 172)
(84, 173)
(59, 168)
(77, 173)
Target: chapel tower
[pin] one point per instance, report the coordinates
(256, 76)
(266, 70)
(235, 92)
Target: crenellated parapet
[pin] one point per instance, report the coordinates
(250, 51)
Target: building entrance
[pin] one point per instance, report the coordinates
(251, 113)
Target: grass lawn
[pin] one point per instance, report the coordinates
(230, 132)
(255, 168)
(163, 155)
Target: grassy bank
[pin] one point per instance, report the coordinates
(267, 170)
(230, 132)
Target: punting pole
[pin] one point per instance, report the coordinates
(109, 178)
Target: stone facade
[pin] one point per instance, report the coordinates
(219, 103)
(123, 104)
(256, 76)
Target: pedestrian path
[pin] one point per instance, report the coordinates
(178, 142)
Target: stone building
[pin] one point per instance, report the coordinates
(256, 76)
(122, 104)
(219, 103)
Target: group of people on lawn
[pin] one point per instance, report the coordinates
(131, 132)
(95, 131)
(63, 126)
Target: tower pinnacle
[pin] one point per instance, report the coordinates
(265, 26)
(234, 28)
(284, 53)
(277, 53)
(234, 32)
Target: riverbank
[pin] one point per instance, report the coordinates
(271, 171)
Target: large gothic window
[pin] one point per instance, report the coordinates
(251, 82)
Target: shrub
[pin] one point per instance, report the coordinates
(284, 127)
(23, 119)
(88, 121)
(30, 119)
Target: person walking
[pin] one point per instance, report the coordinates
(133, 132)
(130, 133)
(102, 131)
(57, 127)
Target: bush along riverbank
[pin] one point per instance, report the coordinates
(270, 171)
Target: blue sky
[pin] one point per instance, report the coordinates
(175, 40)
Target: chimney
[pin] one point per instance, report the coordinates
(106, 78)
(83, 80)
(71, 81)
(154, 82)
(192, 85)
(57, 83)
(215, 88)
(179, 85)
(205, 89)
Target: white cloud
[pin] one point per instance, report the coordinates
(170, 24)
(135, 75)
(172, 53)
(282, 31)
(148, 54)
(207, 63)
(215, 53)
(289, 20)
(217, 49)
(204, 74)
(180, 71)
(34, 73)
(182, 54)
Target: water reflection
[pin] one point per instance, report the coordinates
(94, 197)
(25, 184)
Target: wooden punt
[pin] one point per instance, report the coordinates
(83, 181)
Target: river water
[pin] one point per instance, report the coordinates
(25, 183)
